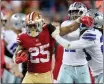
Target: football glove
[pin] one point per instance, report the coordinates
(87, 21)
(22, 56)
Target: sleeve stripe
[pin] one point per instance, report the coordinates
(13, 46)
(89, 38)
(88, 34)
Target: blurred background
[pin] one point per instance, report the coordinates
(52, 10)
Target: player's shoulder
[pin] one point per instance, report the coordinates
(45, 25)
(98, 31)
(9, 32)
(9, 35)
(65, 23)
(89, 34)
(91, 31)
(49, 27)
(22, 34)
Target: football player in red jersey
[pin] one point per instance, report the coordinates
(37, 44)
(58, 57)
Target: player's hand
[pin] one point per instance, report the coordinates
(56, 32)
(87, 21)
(15, 70)
(21, 57)
(18, 74)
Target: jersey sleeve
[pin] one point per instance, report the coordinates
(89, 35)
(19, 42)
(10, 39)
(7, 36)
(51, 28)
(66, 23)
(78, 44)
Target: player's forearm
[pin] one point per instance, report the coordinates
(72, 45)
(68, 29)
(17, 49)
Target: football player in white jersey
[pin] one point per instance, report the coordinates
(16, 21)
(91, 40)
(96, 63)
(6, 67)
(74, 66)
(10, 36)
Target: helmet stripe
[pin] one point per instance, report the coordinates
(31, 16)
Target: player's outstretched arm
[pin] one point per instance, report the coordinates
(78, 44)
(86, 20)
(84, 42)
(68, 29)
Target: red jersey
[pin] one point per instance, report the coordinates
(58, 62)
(40, 50)
(2, 58)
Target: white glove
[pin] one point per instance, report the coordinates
(56, 32)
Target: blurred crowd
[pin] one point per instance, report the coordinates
(52, 10)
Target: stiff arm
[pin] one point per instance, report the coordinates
(70, 28)
(78, 44)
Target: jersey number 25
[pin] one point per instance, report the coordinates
(35, 51)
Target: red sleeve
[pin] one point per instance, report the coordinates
(19, 39)
(2, 58)
(58, 62)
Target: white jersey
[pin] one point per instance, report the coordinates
(92, 41)
(2, 34)
(96, 63)
(10, 39)
(73, 57)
